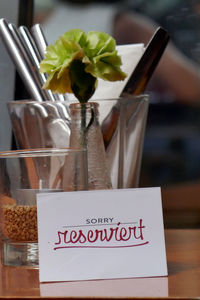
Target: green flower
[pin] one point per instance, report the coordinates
(77, 59)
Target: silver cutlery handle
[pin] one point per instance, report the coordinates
(41, 43)
(39, 39)
(34, 59)
(19, 59)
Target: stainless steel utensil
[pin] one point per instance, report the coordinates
(147, 63)
(138, 80)
(34, 59)
(40, 39)
(41, 43)
(19, 58)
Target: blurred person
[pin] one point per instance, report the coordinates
(176, 75)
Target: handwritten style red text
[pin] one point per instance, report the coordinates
(121, 235)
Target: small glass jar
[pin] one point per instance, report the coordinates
(24, 174)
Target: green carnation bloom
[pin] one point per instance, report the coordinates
(77, 59)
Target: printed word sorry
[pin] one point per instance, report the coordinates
(99, 220)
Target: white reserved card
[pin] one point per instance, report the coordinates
(102, 234)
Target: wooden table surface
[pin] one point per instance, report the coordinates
(183, 282)
(181, 205)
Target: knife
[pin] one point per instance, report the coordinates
(138, 79)
(147, 63)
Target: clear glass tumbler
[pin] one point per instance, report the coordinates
(122, 122)
(24, 174)
(123, 125)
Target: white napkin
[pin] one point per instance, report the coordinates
(130, 55)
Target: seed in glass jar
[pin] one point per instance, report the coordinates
(20, 222)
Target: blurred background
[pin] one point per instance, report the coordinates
(171, 156)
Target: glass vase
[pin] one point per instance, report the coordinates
(86, 133)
